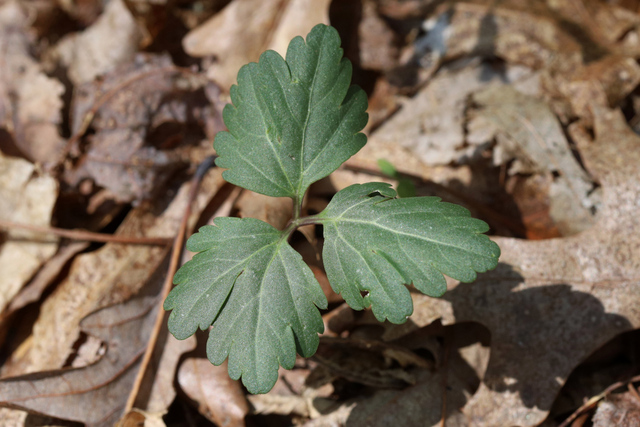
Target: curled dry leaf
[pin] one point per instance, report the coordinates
(219, 398)
(30, 102)
(111, 41)
(145, 108)
(529, 303)
(245, 28)
(26, 196)
(97, 393)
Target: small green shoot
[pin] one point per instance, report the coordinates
(291, 123)
(405, 187)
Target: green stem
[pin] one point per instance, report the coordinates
(297, 208)
(299, 222)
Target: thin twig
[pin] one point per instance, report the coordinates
(87, 235)
(176, 252)
(595, 399)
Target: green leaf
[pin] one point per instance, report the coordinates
(257, 292)
(375, 244)
(292, 122)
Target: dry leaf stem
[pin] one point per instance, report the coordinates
(176, 253)
(86, 235)
(595, 399)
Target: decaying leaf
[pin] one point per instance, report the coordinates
(96, 394)
(109, 275)
(146, 108)
(530, 302)
(527, 130)
(273, 210)
(432, 124)
(158, 391)
(30, 102)
(520, 33)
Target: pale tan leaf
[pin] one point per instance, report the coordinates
(245, 28)
(26, 196)
(112, 40)
(30, 102)
(219, 398)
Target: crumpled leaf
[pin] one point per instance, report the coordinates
(432, 124)
(376, 244)
(301, 110)
(30, 102)
(260, 297)
(529, 302)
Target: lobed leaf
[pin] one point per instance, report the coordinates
(292, 122)
(257, 292)
(375, 244)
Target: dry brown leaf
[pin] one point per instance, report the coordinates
(527, 130)
(245, 28)
(276, 211)
(620, 410)
(30, 102)
(610, 80)
(111, 41)
(219, 398)
(32, 292)
(145, 108)
(377, 47)
(106, 276)
(96, 394)
(26, 196)
(158, 391)
(418, 405)
(524, 33)
(604, 25)
(551, 303)
(432, 124)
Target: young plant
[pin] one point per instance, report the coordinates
(291, 123)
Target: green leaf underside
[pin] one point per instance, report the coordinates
(292, 122)
(257, 292)
(375, 244)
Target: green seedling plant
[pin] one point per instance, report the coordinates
(292, 122)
